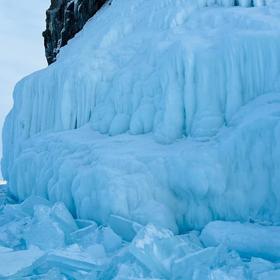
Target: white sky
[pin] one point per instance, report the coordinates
(21, 46)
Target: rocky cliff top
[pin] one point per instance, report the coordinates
(64, 19)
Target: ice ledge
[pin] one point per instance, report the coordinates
(185, 184)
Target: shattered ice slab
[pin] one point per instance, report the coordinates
(82, 223)
(44, 232)
(97, 252)
(11, 212)
(198, 263)
(236, 273)
(27, 206)
(50, 227)
(132, 271)
(63, 217)
(125, 228)
(71, 261)
(52, 274)
(158, 248)
(110, 240)
(84, 236)
(247, 239)
(12, 233)
(90, 235)
(15, 264)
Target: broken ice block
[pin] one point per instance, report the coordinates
(131, 271)
(234, 273)
(96, 252)
(247, 239)
(63, 217)
(125, 228)
(27, 206)
(82, 223)
(18, 263)
(110, 240)
(198, 262)
(157, 248)
(53, 274)
(90, 235)
(84, 236)
(11, 234)
(192, 239)
(11, 213)
(50, 227)
(71, 261)
(44, 232)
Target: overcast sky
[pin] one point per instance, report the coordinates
(21, 46)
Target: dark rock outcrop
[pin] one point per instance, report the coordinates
(64, 19)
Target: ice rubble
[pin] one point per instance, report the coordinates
(89, 131)
(97, 253)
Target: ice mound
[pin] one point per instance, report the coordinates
(180, 186)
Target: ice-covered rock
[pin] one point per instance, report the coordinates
(247, 239)
(93, 127)
(206, 82)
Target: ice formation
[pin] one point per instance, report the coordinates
(169, 119)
